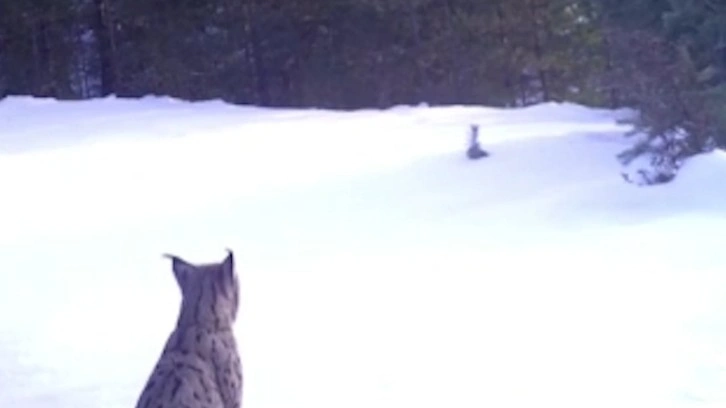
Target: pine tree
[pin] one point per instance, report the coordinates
(663, 62)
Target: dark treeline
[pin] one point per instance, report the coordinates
(327, 53)
(666, 57)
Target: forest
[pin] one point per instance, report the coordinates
(666, 58)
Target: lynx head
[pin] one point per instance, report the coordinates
(473, 134)
(210, 292)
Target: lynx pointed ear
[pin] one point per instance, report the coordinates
(228, 264)
(181, 269)
(230, 256)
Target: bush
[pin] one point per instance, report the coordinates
(675, 119)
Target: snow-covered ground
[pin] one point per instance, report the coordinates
(379, 267)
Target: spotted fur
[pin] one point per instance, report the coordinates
(200, 366)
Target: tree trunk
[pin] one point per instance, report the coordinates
(539, 49)
(502, 34)
(102, 28)
(255, 55)
(43, 81)
(422, 82)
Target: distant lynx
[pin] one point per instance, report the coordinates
(200, 366)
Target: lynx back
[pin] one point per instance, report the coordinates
(200, 366)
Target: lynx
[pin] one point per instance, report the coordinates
(200, 366)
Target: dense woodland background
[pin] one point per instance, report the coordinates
(665, 57)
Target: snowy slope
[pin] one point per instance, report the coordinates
(379, 267)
